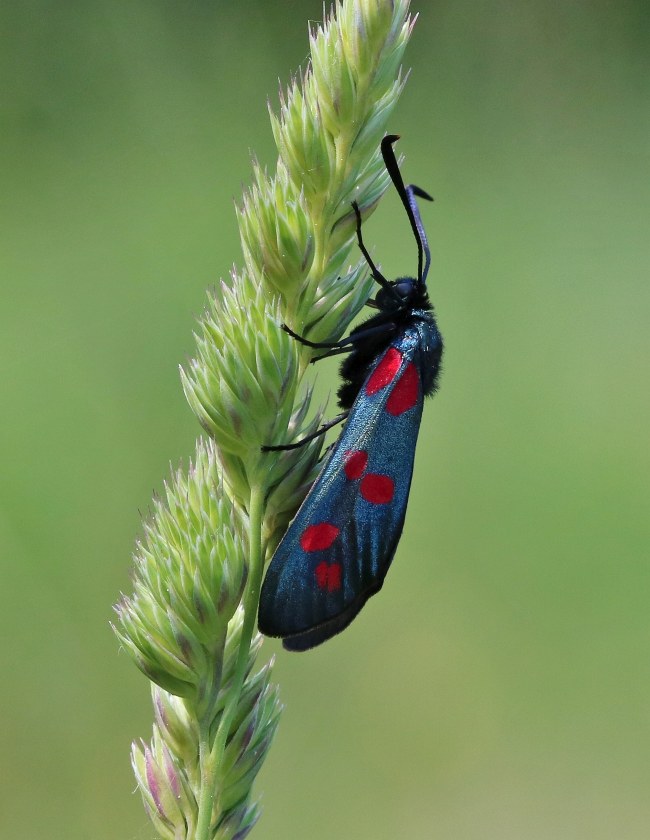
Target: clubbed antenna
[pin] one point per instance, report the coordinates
(407, 194)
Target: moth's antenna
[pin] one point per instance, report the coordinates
(376, 273)
(407, 195)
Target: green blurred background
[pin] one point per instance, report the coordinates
(500, 685)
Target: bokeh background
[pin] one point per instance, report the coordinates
(499, 687)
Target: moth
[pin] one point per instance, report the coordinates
(339, 547)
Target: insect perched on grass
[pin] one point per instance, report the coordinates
(338, 548)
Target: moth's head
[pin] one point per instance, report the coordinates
(404, 293)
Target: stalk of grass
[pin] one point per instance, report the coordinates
(190, 623)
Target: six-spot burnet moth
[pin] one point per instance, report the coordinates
(338, 548)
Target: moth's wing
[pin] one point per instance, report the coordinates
(339, 547)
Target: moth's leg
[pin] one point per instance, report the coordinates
(320, 431)
(317, 345)
(352, 340)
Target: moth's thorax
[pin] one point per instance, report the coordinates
(422, 335)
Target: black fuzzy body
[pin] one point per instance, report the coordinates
(356, 366)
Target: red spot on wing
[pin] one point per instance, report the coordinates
(355, 463)
(405, 392)
(318, 537)
(328, 576)
(385, 371)
(377, 489)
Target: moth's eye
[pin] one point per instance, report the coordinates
(404, 288)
